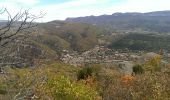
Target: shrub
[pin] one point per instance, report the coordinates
(146, 86)
(137, 69)
(44, 83)
(84, 73)
(96, 69)
(3, 89)
(63, 89)
(89, 70)
(126, 79)
(153, 64)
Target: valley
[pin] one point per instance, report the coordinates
(123, 56)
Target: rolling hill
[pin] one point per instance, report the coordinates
(70, 36)
(50, 39)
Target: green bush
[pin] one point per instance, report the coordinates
(84, 73)
(153, 64)
(3, 89)
(63, 89)
(138, 69)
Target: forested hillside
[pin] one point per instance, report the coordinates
(139, 41)
(73, 36)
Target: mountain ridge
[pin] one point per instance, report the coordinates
(153, 13)
(153, 21)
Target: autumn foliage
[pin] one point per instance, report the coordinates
(126, 79)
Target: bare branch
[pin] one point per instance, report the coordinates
(25, 21)
(17, 28)
(2, 10)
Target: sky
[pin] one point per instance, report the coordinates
(62, 9)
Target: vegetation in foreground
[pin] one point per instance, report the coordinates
(57, 81)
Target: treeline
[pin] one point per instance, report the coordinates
(147, 42)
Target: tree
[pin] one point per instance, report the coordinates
(14, 32)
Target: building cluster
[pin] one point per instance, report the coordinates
(100, 55)
(121, 59)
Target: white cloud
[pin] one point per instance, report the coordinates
(69, 9)
(14, 6)
(23, 2)
(143, 5)
(78, 8)
(62, 11)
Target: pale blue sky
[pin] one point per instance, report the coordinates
(61, 9)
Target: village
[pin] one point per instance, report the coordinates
(122, 60)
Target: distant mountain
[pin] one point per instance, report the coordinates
(3, 21)
(158, 21)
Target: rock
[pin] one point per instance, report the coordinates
(125, 67)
